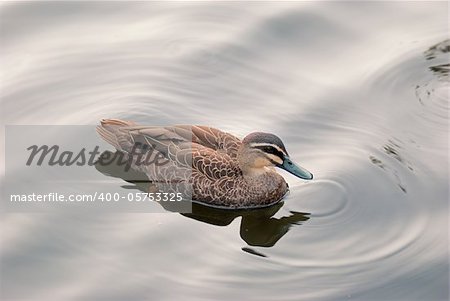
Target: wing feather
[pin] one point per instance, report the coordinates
(207, 151)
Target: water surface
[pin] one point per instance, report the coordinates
(357, 91)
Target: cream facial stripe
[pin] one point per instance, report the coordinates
(275, 158)
(273, 152)
(269, 144)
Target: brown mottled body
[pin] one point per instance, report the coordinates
(219, 167)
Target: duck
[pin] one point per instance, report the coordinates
(220, 169)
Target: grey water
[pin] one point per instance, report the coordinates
(359, 93)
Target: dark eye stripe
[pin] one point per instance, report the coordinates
(270, 150)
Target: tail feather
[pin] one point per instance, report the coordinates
(116, 122)
(109, 130)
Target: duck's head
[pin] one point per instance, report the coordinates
(261, 150)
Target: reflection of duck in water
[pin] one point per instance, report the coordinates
(258, 226)
(221, 170)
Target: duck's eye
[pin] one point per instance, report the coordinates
(269, 149)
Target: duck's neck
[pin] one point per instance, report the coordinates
(255, 172)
